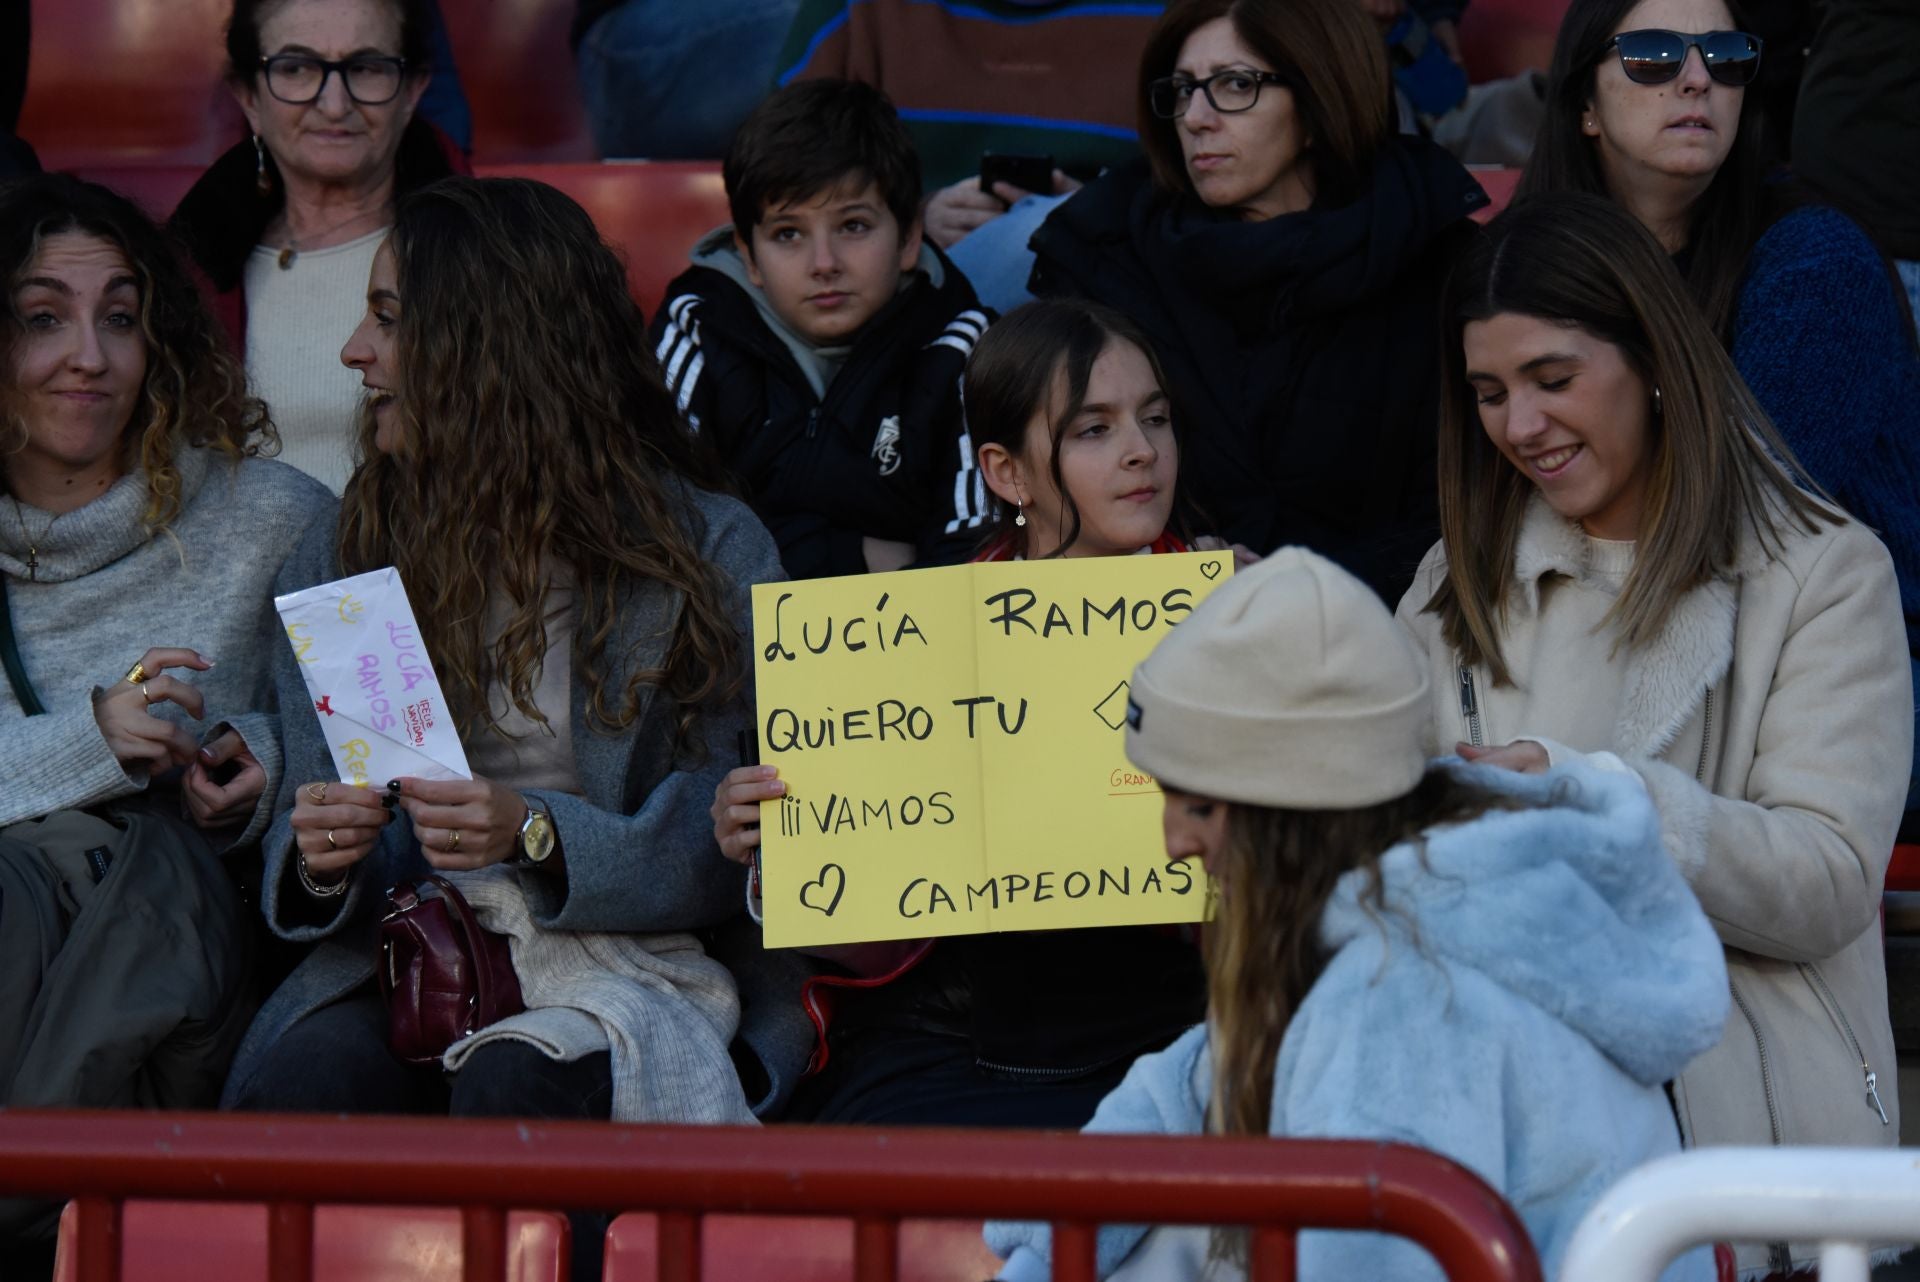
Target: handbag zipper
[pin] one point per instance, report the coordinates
(1812, 972)
(1469, 705)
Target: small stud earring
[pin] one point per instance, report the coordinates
(1656, 403)
(1019, 513)
(261, 182)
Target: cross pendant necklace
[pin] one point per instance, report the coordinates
(33, 544)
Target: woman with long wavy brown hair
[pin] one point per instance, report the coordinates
(1499, 968)
(584, 599)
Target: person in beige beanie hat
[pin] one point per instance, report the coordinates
(1503, 968)
(1291, 686)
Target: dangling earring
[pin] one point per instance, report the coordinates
(1656, 403)
(1019, 513)
(261, 181)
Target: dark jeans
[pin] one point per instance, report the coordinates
(336, 1061)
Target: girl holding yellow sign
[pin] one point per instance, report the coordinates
(1075, 438)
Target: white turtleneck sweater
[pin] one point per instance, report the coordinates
(298, 319)
(105, 589)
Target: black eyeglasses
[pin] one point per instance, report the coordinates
(300, 78)
(1654, 56)
(1228, 91)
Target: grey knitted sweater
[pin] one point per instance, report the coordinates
(106, 588)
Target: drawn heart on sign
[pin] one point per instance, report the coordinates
(1210, 570)
(831, 883)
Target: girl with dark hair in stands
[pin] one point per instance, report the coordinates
(583, 594)
(1629, 567)
(284, 226)
(1647, 105)
(1282, 249)
(1075, 433)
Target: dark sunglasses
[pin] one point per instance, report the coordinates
(1653, 56)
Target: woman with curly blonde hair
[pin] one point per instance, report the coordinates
(139, 523)
(138, 526)
(583, 595)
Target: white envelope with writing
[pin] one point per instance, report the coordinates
(373, 688)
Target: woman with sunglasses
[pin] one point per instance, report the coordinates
(1283, 249)
(1646, 105)
(284, 226)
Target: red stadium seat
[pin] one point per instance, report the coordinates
(195, 1241)
(1500, 38)
(1499, 185)
(155, 188)
(797, 1249)
(652, 212)
(128, 82)
(517, 69)
(1903, 873)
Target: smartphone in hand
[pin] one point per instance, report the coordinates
(1028, 173)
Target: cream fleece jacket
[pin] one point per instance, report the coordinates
(1772, 722)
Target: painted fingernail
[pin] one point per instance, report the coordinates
(206, 755)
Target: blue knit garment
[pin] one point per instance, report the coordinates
(1819, 338)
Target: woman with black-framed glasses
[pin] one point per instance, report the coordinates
(1647, 105)
(285, 225)
(1283, 249)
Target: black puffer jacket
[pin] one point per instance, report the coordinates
(1303, 351)
(873, 457)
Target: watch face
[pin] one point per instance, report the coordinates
(536, 839)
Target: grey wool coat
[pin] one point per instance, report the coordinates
(639, 846)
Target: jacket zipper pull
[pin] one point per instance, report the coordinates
(1873, 1094)
(813, 421)
(1469, 705)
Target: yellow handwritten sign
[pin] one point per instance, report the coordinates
(953, 746)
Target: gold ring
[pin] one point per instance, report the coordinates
(317, 793)
(136, 674)
(453, 840)
(331, 843)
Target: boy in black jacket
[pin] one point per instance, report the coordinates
(818, 342)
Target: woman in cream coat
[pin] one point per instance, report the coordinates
(1641, 575)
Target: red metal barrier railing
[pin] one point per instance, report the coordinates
(875, 1177)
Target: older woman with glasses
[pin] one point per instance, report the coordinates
(1647, 106)
(1283, 249)
(285, 225)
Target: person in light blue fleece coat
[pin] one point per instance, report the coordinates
(1509, 984)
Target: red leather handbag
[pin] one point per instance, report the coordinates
(442, 975)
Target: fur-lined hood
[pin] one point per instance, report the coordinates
(1636, 970)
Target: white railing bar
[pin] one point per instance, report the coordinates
(1840, 1197)
(1843, 1262)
